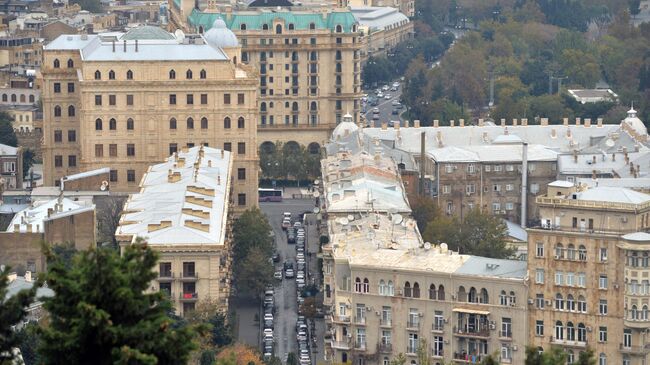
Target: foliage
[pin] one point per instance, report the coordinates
(478, 233)
(12, 312)
(490, 360)
(28, 161)
(309, 307)
(207, 358)
(254, 273)
(423, 210)
(7, 134)
(109, 211)
(556, 356)
(63, 252)
(102, 314)
(221, 330)
(93, 6)
(400, 359)
(250, 230)
(292, 359)
(29, 340)
(289, 161)
(243, 355)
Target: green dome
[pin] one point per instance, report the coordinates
(147, 32)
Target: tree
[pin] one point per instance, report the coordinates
(64, 252)
(101, 313)
(28, 161)
(93, 6)
(243, 354)
(309, 308)
(400, 359)
(254, 272)
(291, 359)
(251, 229)
(587, 357)
(554, 356)
(109, 211)
(7, 133)
(489, 360)
(221, 330)
(29, 340)
(423, 210)
(635, 7)
(12, 312)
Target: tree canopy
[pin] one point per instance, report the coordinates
(12, 312)
(252, 251)
(7, 134)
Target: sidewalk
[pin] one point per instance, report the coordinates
(297, 193)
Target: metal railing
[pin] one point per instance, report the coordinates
(466, 331)
(412, 324)
(385, 322)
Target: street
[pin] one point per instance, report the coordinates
(385, 107)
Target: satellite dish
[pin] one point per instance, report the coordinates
(350, 217)
(316, 182)
(397, 219)
(610, 142)
(344, 221)
(427, 246)
(316, 194)
(179, 35)
(316, 210)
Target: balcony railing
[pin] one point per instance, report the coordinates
(341, 345)
(385, 322)
(505, 334)
(438, 327)
(412, 325)
(360, 346)
(472, 332)
(341, 318)
(386, 348)
(465, 357)
(164, 276)
(189, 296)
(360, 320)
(638, 350)
(569, 343)
(411, 349)
(437, 352)
(190, 275)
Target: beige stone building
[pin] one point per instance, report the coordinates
(130, 100)
(389, 292)
(308, 61)
(383, 29)
(183, 212)
(588, 263)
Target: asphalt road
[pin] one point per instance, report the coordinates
(385, 107)
(286, 307)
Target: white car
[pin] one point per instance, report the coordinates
(268, 333)
(268, 317)
(387, 96)
(385, 88)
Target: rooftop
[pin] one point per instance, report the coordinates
(20, 283)
(33, 218)
(601, 162)
(592, 95)
(181, 201)
(642, 183)
(613, 194)
(8, 150)
(491, 153)
(379, 18)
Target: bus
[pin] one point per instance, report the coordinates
(269, 195)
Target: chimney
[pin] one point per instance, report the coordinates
(600, 122)
(587, 122)
(125, 45)
(514, 121)
(416, 123)
(49, 212)
(593, 174)
(451, 123)
(406, 124)
(384, 126)
(136, 45)
(593, 160)
(565, 121)
(503, 121)
(461, 122)
(524, 121)
(223, 154)
(396, 125)
(577, 121)
(113, 46)
(436, 123)
(209, 163)
(480, 122)
(613, 156)
(16, 227)
(575, 156)
(568, 133)
(28, 276)
(29, 228)
(544, 121)
(218, 179)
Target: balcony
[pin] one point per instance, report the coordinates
(437, 327)
(437, 353)
(412, 325)
(189, 276)
(505, 335)
(360, 346)
(464, 357)
(385, 323)
(481, 332)
(634, 350)
(340, 318)
(341, 345)
(569, 343)
(386, 348)
(360, 320)
(189, 297)
(165, 276)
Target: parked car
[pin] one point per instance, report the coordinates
(286, 223)
(286, 215)
(387, 96)
(278, 275)
(288, 273)
(276, 257)
(291, 238)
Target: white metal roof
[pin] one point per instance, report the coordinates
(6, 150)
(160, 200)
(36, 215)
(613, 194)
(637, 236)
(378, 18)
(491, 153)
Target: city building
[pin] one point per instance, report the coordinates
(584, 96)
(588, 267)
(308, 60)
(128, 100)
(406, 7)
(56, 221)
(35, 310)
(24, 117)
(20, 51)
(11, 168)
(183, 212)
(384, 28)
(389, 292)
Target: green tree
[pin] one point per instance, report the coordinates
(423, 210)
(101, 313)
(254, 272)
(251, 229)
(489, 360)
(64, 253)
(7, 133)
(12, 312)
(221, 330)
(291, 359)
(29, 340)
(28, 161)
(554, 356)
(634, 6)
(587, 357)
(93, 6)
(207, 358)
(400, 359)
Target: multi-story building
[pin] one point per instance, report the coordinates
(383, 28)
(130, 100)
(588, 263)
(406, 7)
(308, 62)
(11, 168)
(389, 292)
(182, 211)
(20, 51)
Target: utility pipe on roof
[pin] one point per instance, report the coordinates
(524, 182)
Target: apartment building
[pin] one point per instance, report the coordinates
(588, 262)
(11, 168)
(384, 28)
(308, 60)
(182, 211)
(406, 7)
(389, 292)
(127, 101)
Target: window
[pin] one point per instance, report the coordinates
(539, 276)
(241, 199)
(204, 123)
(559, 302)
(510, 187)
(506, 327)
(413, 343)
(603, 254)
(71, 111)
(98, 75)
(539, 249)
(241, 123)
(190, 99)
(99, 150)
(559, 330)
(130, 124)
(241, 173)
(539, 328)
(57, 87)
(539, 301)
(496, 187)
(559, 278)
(227, 146)
(113, 176)
(129, 100)
(240, 99)
(172, 99)
(570, 332)
(627, 338)
(510, 168)
(173, 148)
(57, 63)
(438, 346)
(111, 75)
(582, 279)
(98, 100)
(241, 148)
(602, 281)
(188, 74)
(70, 87)
(130, 149)
(602, 359)
(570, 278)
(112, 100)
(58, 161)
(602, 334)
(58, 136)
(190, 123)
(72, 161)
(72, 135)
(582, 332)
(570, 303)
(582, 304)
(497, 168)
(446, 189)
(130, 175)
(534, 188)
(112, 124)
(602, 307)
(203, 74)
(226, 99)
(129, 75)
(226, 123)
(204, 99)
(98, 124)
(438, 321)
(390, 288)
(506, 353)
(172, 74)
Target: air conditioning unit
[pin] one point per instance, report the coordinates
(624, 219)
(492, 326)
(557, 257)
(531, 301)
(515, 348)
(446, 342)
(513, 304)
(445, 320)
(548, 302)
(349, 335)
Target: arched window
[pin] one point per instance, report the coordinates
(204, 123)
(112, 124)
(70, 63)
(559, 251)
(172, 123)
(602, 359)
(172, 74)
(57, 111)
(188, 74)
(441, 292)
(432, 292)
(265, 27)
(485, 299)
(31, 98)
(98, 124)
(241, 123)
(582, 304)
(338, 67)
(570, 332)
(312, 26)
(57, 63)
(313, 106)
(190, 123)
(203, 75)
(513, 298)
(570, 303)
(462, 294)
(13, 98)
(98, 75)
(129, 75)
(339, 28)
(570, 357)
(294, 106)
(407, 290)
(357, 285)
(416, 290)
(559, 330)
(71, 111)
(571, 252)
(582, 332)
(291, 26)
(111, 75)
(385, 361)
(278, 29)
(391, 288)
(263, 107)
(242, 26)
(559, 302)
(22, 98)
(226, 123)
(4, 97)
(503, 298)
(130, 124)
(366, 285)
(471, 297)
(382, 287)
(582, 253)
